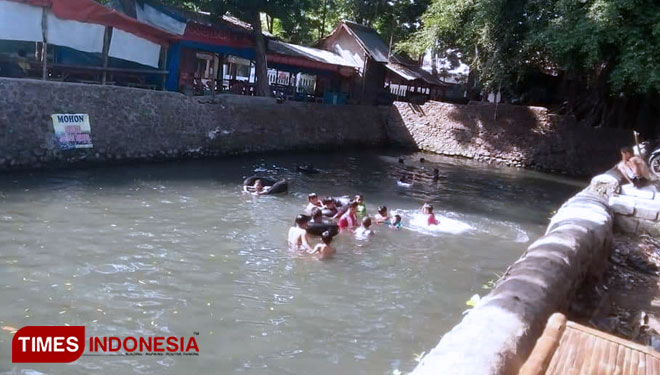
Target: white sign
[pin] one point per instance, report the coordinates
(72, 131)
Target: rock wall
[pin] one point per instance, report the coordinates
(497, 335)
(132, 124)
(518, 136)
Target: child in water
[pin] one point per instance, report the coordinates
(298, 234)
(427, 210)
(314, 202)
(364, 231)
(257, 189)
(329, 207)
(382, 217)
(361, 206)
(349, 218)
(396, 224)
(324, 250)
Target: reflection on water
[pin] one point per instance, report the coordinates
(173, 249)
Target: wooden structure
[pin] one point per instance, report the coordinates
(364, 48)
(568, 348)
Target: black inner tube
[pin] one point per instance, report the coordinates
(276, 187)
(317, 229)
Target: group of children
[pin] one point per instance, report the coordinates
(345, 215)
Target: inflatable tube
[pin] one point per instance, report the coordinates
(328, 213)
(317, 229)
(276, 187)
(342, 201)
(307, 169)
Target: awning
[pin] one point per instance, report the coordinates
(92, 12)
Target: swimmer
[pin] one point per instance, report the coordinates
(314, 202)
(404, 181)
(257, 189)
(317, 216)
(362, 207)
(400, 160)
(349, 218)
(324, 250)
(422, 160)
(427, 210)
(436, 174)
(329, 207)
(396, 224)
(364, 231)
(298, 234)
(382, 217)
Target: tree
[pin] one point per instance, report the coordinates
(607, 51)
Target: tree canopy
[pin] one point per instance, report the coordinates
(617, 41)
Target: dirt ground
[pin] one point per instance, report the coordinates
(626, 301)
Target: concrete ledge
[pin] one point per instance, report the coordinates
(499, 333)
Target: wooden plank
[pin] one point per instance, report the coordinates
(634, 361)
(596, 355)
(652, 365)
(626, 361)
(107, 38)
(620, 360)
(572, 358)
(545, 347)
(560, 353)
(44, 46)
(584, 357)
(612, 354)
(569, 351)
(618, 340)
(641, 364)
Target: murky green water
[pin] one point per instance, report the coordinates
(172, 249)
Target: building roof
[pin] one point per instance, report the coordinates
(413, 73)
(315, 54)
(370, 41)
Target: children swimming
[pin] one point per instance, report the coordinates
(329, 207)
(313, 202)
(323, 250)
(257, 189)
(427, 210)
(349, 218)
(382, 217)
(298, 234)
(361, 206)
(397, 223)
(364, 231)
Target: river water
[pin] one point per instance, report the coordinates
(177, 250)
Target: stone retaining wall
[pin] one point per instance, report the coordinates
(497, 335)
(138, 124)
(517, 136)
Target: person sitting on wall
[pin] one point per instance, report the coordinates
(633, 168)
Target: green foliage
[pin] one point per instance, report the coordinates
(617, 40)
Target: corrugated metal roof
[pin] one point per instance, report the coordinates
(411, 73)
(370, 40)
(309, 53)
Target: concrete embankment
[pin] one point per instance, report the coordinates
(134, 124)
(518, 136)
(498, 334)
